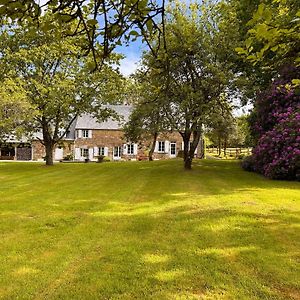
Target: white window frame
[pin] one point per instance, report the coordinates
(101, 151)
(130, 149)
(119, 152)
(173, 144)
(85, 133)
(84, 152)
(161, 147)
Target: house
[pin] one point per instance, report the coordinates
(15, 149)
(88, 138)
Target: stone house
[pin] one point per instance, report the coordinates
(93, 139)
(88, 139)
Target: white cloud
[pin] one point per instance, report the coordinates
(129, 64)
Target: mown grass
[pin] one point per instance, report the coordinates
(147, 231)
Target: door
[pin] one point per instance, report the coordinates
(59, 153)
(117, 152)
(24, 153)
(173, 149)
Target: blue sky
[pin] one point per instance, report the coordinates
(132, 54)
(134, 50)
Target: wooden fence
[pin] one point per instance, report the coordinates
(231, 152)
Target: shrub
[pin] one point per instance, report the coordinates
(279, 99)
(241, 156)
(248, 164)
(100, 158)
(277, 123)
(277, 154)
(68, 157)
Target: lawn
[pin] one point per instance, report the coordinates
(141, 230)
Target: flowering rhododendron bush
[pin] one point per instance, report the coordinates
(277, 124)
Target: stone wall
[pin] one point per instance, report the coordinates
(38, 150)
(110, 139)
(114, 138)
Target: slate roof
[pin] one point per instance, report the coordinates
(87, 121)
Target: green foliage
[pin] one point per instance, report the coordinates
(55, 77)
(146, 120)
(97, 23)
(222, 130)
(15, 110)
(233, 22)
(189, 78)
(225, 131)
(273, 35)
(241, 133)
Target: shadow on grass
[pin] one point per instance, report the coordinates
(213, 253)
(128, 231)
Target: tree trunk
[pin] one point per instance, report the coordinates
(49, 153)
(194, 144)
(186, 153)
(48, 142)
(225, 146)
(190, 150)
(219, 146)
(150, 155)
(202, 147)
(188, 163)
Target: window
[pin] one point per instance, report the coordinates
(101, 151)
(173, 148)
(117, 151)
(84, 152)
(161, 146)
(130, 149)
(85, 133)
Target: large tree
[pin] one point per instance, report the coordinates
(55, 77)
(271, 46)
(191, 75)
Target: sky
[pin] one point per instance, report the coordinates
(134, 51)
(132, 54)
